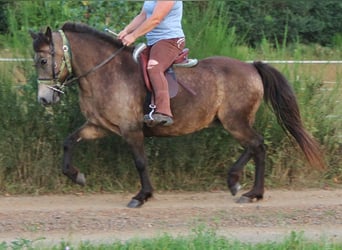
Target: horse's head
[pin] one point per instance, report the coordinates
(50, 62)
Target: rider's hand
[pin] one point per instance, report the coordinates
(122, 34)
(128, 39)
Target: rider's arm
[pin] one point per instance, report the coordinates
(160, 11)
(136, 22)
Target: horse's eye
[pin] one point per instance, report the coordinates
(43, 61)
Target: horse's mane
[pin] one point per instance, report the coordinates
(83, 28)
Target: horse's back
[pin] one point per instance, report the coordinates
(223, 73)
(224, 87)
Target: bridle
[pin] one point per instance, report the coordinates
(56, 83)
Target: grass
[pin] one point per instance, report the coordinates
(199, 239)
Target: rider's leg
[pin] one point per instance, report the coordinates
(162, 55)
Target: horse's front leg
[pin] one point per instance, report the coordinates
(87, 131)
(136, 141)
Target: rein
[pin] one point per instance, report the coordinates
(94, 68)
(66, 61)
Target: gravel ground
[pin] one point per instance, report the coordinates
(104, 217)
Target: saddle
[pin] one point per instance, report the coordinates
(140, 56)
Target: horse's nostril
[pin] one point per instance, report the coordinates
(43, 101)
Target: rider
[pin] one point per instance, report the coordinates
(160, 21)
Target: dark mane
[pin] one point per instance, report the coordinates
(83, 28)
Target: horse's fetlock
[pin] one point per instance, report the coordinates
(148, 195)
(71, 173)
(233, 177)
(259, 197)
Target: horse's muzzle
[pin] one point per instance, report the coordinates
(47, 95)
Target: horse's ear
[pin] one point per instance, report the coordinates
(48, 34)
(34, 35)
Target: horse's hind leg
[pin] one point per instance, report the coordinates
(87, 131)
(257, 192)
(235, 171)
(254, 148)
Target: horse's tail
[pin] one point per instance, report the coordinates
(279, 93)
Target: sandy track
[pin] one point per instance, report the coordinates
(104, 217)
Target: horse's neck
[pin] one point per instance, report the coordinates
(96, 55)
(89, 54)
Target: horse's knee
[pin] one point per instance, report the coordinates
(259, 147)
(67, 144)
(140, 164)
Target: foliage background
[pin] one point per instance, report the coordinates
(31, 136)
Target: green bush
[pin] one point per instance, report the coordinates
(311, 21)
(306, 21)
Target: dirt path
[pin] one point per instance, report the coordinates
(104, 217)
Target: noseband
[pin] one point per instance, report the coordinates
(56, 84)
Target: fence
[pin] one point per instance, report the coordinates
(265, 61)
(15, 59)
(299, 62)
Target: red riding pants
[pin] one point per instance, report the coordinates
(162, 54)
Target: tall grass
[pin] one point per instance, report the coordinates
(210, 34)
(32, 136)
(200, 239)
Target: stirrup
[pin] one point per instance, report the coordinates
(187, 64)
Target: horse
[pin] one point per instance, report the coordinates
(112, 97)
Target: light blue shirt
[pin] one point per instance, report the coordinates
(169, 27)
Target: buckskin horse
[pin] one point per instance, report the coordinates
(112, 97)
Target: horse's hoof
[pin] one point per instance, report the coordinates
(80, 179)
(135, 203)
(244, 199)
(235, 189)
